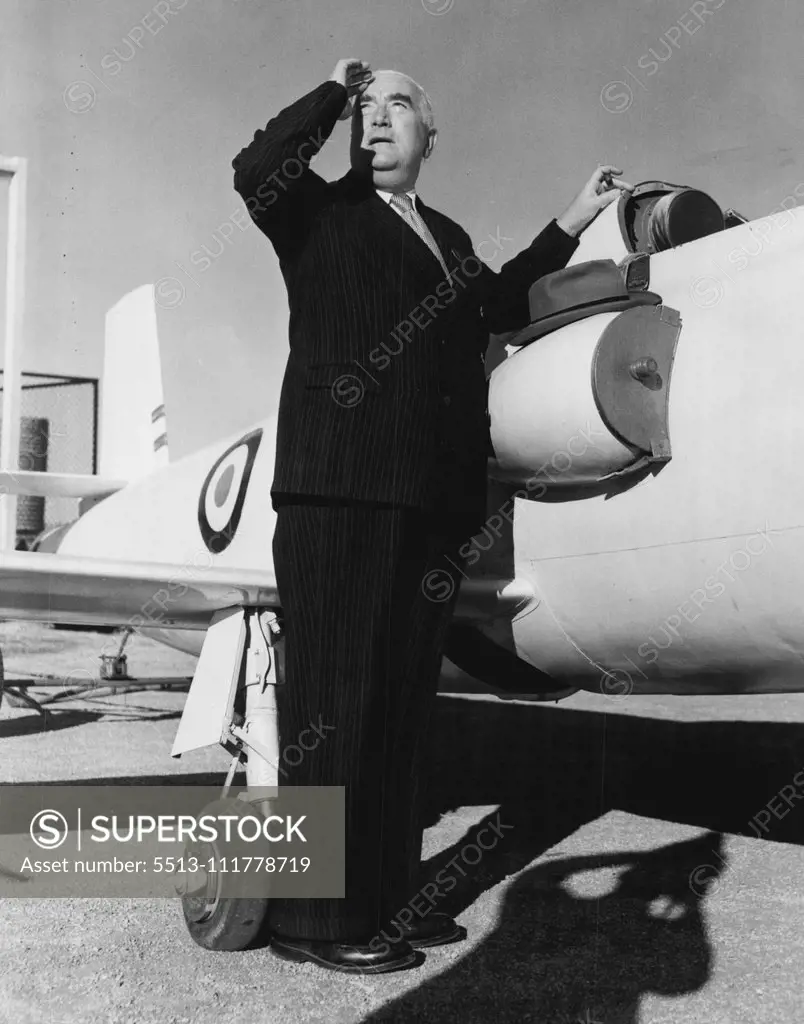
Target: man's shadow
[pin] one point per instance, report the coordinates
(560, 957)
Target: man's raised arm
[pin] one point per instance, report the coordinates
(505, 300)
(505, 294)
(272, 173)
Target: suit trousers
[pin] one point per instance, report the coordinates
(367, 592)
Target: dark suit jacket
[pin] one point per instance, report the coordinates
(384, 394)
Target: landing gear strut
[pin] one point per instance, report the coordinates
(246, 644)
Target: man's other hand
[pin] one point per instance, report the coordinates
(601, 189)
(355, 76)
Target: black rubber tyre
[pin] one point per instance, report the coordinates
(227, 925)
(222, 922)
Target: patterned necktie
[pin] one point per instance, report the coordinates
(403, 204)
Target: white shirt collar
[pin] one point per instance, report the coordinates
(387, 195)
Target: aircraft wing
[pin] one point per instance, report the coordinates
(57, 485)
(106, 592)
(99, 591)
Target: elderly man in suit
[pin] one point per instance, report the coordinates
(380, 474)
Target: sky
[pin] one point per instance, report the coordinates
(131, 112)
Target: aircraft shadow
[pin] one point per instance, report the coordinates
(213, 779)
(553, 769)
(56, 718)
(555, 957)
(36, 722)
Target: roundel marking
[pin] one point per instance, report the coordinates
(221, 496)
(223, 492)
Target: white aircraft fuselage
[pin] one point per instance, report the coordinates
(687, 580)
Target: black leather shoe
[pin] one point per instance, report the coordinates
(432, 930)
(349, 959)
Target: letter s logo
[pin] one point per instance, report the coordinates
(223, 493)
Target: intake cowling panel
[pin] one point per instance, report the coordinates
(631, 371)
(586, 403)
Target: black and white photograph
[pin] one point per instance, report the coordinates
(401, 580)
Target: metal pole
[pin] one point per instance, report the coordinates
(95, 412)
(17, 169)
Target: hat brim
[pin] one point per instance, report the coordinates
(567, 316)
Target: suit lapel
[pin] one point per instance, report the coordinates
(443, 237)
(416, 250)
(386, 222)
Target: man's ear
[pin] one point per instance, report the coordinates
(432, 136)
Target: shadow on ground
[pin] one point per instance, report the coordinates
(27, 725)
(552, 770)
(53, 718)
(555, 957)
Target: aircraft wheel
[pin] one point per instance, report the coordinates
(224, 924)
(214, 921)
(2, 677)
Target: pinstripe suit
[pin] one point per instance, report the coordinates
(380, 475)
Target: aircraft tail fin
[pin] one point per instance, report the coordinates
(133, 437)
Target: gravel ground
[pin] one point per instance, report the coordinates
(630, 885)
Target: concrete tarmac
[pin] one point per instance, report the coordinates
(647, 870)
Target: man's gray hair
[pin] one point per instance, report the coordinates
(425, 103)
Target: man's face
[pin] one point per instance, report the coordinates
(389, 137)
